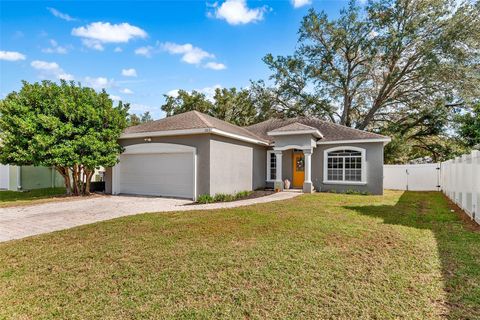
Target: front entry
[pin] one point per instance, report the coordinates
(298, 169)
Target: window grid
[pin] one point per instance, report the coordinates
(273, 166)
(344, 165)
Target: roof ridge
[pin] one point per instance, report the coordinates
(202, 118)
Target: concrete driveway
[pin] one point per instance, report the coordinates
(24, 221)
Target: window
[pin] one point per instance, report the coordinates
(345, 165)
(271, 166)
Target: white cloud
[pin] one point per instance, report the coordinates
(215, 66)
(237, 12)
(172, 93)
(115, 98)
(301, 3)
(129, 72)
(98, 83)
(144, 51)
(93, 44)
(96, 34)
(209, 91)
(61, 15)
(126, 91)
(118, 49)
(50, 69)
(190, 54)
(55, 48)
(11, 56)
(139, 108)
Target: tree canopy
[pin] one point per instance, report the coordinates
(232, 105)
(66, 126)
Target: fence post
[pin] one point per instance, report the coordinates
(475, 185)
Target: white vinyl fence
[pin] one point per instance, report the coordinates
(415, 177)
(460, 181)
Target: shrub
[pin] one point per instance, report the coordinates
(242, 194)
(223, 197)
(205, 198)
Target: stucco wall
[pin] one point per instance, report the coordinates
(201, 142)
(236, 165)
(374, 170)
(374, 163)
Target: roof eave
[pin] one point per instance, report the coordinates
(315, 133)
(167, 133)
(385, 141)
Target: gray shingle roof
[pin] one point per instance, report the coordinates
(329, 130)
(296, 126)
(191, 120)
(198, 120)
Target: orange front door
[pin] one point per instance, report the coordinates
(298, 170)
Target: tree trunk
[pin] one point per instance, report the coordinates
(66, 177)
(88, 177)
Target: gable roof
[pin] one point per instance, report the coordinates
(192, 122)
(295, 128)
(331, 131)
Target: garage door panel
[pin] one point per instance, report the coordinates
(158, 174)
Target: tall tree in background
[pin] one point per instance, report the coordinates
(72, 128)
(134, 120)
(232, 105)
(469, 126)
(375, 69)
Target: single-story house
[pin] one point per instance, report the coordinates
(192, 153)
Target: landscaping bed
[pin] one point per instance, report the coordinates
(242, 195)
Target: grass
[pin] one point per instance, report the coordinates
(320, 256)
(26, 196)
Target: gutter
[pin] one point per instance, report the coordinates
(192, 132)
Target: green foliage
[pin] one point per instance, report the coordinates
(223, 197)
(232, 105)
(134, 120)
(395, 64)
(357, 192)
(205, 198)
(67, 126)
(469, 126)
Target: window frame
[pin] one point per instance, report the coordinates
(269, 155)
(363, 179)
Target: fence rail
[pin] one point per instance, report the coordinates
(460, 181)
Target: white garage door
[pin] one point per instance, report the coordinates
(169, 174)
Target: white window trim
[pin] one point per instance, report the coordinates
(269, 154)
(364, 166)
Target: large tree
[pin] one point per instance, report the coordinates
(392, 66)
(469, 126)
(72, 128)
(232, 105)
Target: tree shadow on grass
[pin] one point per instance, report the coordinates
(458, 244)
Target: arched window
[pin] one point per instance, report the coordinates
(345, 165)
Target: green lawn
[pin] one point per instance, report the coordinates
(25, 196)
(321, 256)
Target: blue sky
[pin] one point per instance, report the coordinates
(139, 51)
